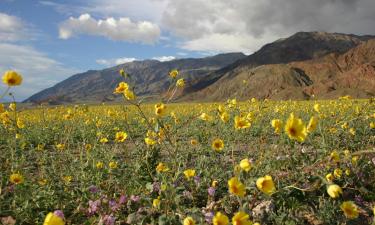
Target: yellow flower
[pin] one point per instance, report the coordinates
(67, 179)
(352, 131)
(180, 83)
(193, 142)
(150, 141)
(189, 221)
(236, 187)
(372, 124)
(350, 209)
(329, 177)
(121, 136)
(245, 165)
(355, 160)
(205, 117)
(334, 190)
(266, 185)
(52, 219)
(99, 165)
(241, 123)
(129, 95)
(161, 168)
(335, 156)
(189, 173)
(156, 202)
(217, 145)
(347, 172)
(88, 147)
(173, 73)
(12, 78)
(1, 108)
(277, 125)
(122, 72)
(337, 172)
(113, 165)
(60, 147)
(214, 183)
(220, 219)
(16, 178)
(295, 128)
(317, 108)
(42, 182)
(13, 106)
(103, 140)
(312, 124)
(241, 218)
(160, 109)
(224, 116)
(122, 86)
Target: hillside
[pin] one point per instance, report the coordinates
(351, 73)
(150, 77)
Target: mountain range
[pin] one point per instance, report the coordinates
(306, 64)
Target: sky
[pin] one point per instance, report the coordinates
(48, 41)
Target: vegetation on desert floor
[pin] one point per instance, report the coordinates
(259, 161)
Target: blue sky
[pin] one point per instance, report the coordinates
(48, 41)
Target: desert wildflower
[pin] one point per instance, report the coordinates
(189, 173)
(335, 156)
(277, 125)
(295, 128)
(121, 136)
(88, 147)
(236, 187)
(329, 177)
(193, 142)
(352, 131)
(220, 219)
(180, 83)
(55, 218)
(103, 140)
(317, 108)
(16, 178)
(12, 78)
(217, 145)
(189, 221)
(150, 141)
(122, 86)
(13, 106)
(205, 117)
(241, 218)
(312, 124)
(160, 109)
(245, 165)
(334, 190)
(129, 95)
(161, 167)
(372, 124)
(112, 165)
(266, 185)
(67, 179)
(173, 74)
(224, 116)
(350, 209)
(42, 182)
(156, 202)
(337, 172)
(60, 147)
(241, 123)
(99, 165)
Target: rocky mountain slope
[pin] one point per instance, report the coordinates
(150, 77)
(333, 75)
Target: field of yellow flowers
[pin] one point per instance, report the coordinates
(240, 163)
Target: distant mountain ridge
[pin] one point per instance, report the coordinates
(150, 77)
(285, 69)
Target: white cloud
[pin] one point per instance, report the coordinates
(164, 58)
(11, 28)
(114, 62)
(122, 29)
(244, 25)
(38, 71)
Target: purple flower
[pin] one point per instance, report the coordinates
(93, 207)
(113, 205)
(211, 191)
(197, 179)
(109, 220)
(123, 199)
(59, 213)
(93, 189)
(135, 198)
(208, 217)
